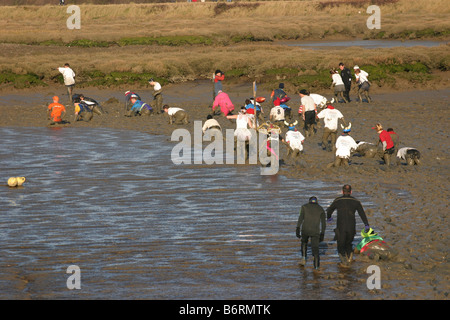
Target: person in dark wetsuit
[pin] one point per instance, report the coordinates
(346, 206)
(312, 223)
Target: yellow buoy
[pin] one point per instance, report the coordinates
(12, 182)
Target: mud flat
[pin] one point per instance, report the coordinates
(410, 202)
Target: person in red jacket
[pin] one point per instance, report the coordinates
(386, 140)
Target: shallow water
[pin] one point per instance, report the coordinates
(139, 227)
(366, 44)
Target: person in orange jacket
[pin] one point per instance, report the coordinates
(56, 111)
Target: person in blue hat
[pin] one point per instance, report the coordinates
(311, 224)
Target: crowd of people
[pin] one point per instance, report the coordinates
(313, 109)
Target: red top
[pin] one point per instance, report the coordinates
(219, 78)
(385, 136)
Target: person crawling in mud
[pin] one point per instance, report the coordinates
(128, 95)
(222, 101)
(410, 155)
(373, 246)
(366, 149)
(91, 104)
(345, 145)
(176, 115)
(211, 124)
(56, 112)
(83, 111)
(294, 139)
(138, 108)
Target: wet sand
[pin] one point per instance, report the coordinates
(412, 201)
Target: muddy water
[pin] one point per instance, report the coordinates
(140, 227)
(366, 44)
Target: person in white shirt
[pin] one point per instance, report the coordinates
(294, 139)
(319, 100)
(176, 115)
(211, 124)
(157, 102)
(243, 123)
(362, 80)
(308, 111)
(69, 79)
(345, 145)
(331, 117)
(276, 114)
(338, 84)
(410, 155)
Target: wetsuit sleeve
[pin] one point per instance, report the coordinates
(322, 221)
(330, 209)
(301, 217)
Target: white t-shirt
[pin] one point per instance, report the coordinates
(172, 110)
(319, 100)
(344, 146)
(362, 77)
(157, 86)
(277, 113)
(402, 152)
(295, 138)
(68, 75)
(210, 123)
(308, 103)
(337, 79)
(330, 118)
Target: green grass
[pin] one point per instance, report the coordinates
(21, 81)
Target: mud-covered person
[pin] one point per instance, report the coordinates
(308, 112)
(82, 111)
(128, 95)
(294, 139)
(69, 79)
(311, 224)
(176, 115)
(410, 155)
(92, 104)
(346, 206)
(211, 124)
(345, 145)
(157, 102)
(56, 112)
(385, 139)
(331, 117)
(139, 108)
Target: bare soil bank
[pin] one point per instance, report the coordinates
(412, 200)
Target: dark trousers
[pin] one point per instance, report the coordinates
(347, 92)
(344, 240)
(314, 245)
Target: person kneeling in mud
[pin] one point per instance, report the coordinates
(294, 139)
(91, 104)
(374, 247)
(139, 108)
(366, 149)
(344, 147)
(176, 115)
(82, 110)
(56, 112)
(410, 155)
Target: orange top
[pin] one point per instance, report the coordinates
(57, 109)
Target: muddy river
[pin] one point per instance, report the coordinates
(140, 227)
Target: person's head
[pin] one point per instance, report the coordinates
(209, 117)
(313, 199)
(303, 93)
(247, 101)
(341, 66)
(378, 127)
(81, 97)
(243, 110)
(347, 189)
(390, 130)
(357, 70)
(347, 129)
(281, 86)
(151, 82)
(55, 99)
(166, 108)
(218, 72)
(66, 65)
(291, 126)
(133, 98)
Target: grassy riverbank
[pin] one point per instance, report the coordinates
(173, 42)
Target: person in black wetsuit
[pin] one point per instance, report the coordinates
(312, 223)
(346, 76)
(346, 206)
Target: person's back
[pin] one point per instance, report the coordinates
(346, 206)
